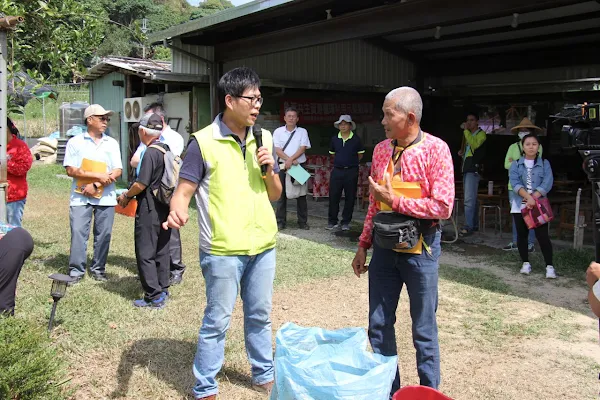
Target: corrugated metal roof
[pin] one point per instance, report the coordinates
(215, 19)
(135, 66)
(350, 62)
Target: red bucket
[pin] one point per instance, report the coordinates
(419, 393)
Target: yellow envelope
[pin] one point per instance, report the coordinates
(90, 166)
(411, 190)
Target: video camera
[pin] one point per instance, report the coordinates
(582, 133)
(582, 128)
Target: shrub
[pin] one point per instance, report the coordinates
(30, 367)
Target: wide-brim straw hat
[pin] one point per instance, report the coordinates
(525, 123)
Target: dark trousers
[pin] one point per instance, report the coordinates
(177, 265)
(542, 235)
(152, 250)
(301, 205)
(15, 247)
(388, 272)
(345, 180)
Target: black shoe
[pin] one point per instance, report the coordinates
(280, 226)
(99, 277)
(303, 226)
(75, 280)
(176, 278)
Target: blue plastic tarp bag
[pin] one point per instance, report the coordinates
(318, 364)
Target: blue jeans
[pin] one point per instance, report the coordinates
(14, 212)
(225, 277)
(471, 184)
(81, 219)
(531, 237)
(388, 272)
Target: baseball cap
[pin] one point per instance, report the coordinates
(96, 109)
(151, 121)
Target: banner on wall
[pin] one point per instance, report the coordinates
(316, 111)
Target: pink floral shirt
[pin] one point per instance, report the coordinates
(428, 162)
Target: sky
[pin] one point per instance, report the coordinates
(235, 2)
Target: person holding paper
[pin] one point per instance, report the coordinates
(409, 158)
(291, 142)
(93, 160)
(347, 149)
(176, 144)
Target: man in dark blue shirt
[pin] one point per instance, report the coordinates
(347, 149)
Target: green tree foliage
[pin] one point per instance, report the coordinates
(210, 7)
(56, 39)
(125, 12)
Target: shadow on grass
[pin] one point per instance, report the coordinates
(41, 244)
(128, 287)
(57, 263)
(129, 263)
(60, 262)
(170, 360)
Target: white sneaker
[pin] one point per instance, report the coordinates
(550, 273)
(526, 268)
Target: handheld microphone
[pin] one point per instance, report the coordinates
(257, 131)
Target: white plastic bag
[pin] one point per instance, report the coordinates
(295, 189)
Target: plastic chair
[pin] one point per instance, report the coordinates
(419, 393)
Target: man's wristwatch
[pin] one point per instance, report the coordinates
(128, 198)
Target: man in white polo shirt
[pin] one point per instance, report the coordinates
(290, 143)
(97, 198)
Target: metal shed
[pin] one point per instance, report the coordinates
(454, 53)
(113, 79)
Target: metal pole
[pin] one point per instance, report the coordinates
(576, 225)
(44, 114)
(3, 116)
(52, 315)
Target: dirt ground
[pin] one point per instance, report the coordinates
(476, 364)
(502, 336)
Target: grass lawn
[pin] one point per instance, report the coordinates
(499, 339)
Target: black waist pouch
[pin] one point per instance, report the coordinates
(394, 231)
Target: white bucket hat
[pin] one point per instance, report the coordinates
(346, 118)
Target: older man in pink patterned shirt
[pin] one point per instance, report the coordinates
(407, 155)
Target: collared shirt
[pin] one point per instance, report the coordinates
(300, 138)
(428, 162)
(194, 167)
(225, 131)
(107, 151)
(346, 151)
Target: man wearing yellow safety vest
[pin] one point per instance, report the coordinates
(472, 153)
(222, 168)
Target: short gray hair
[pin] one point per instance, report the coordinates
(151, 132)
(407, 100)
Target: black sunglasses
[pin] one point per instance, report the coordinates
(103, 118)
